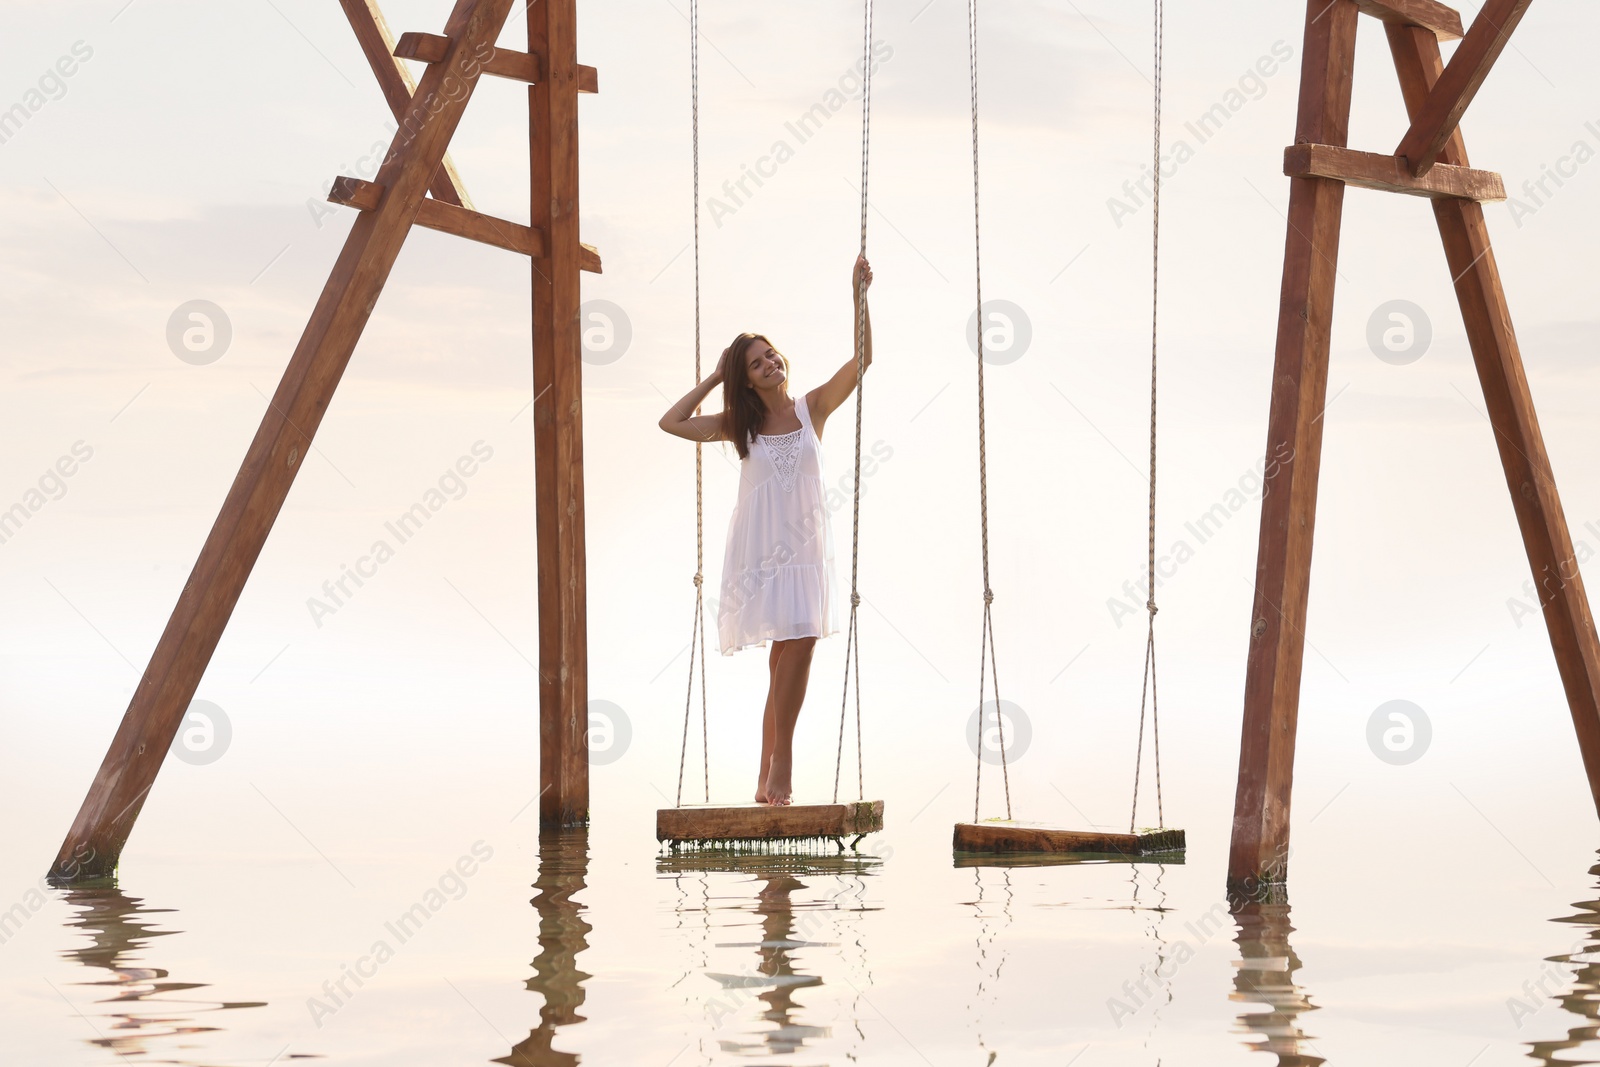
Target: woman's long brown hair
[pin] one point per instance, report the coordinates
(739, 399)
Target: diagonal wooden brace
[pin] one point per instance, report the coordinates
(1436, 118)
(281, 444)
(1520, 442)
(377, 44)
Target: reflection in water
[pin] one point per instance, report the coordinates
(1583, 998)
(145, 1013)
(563, 933)
(798, 903)
(1155, 912)
(1266, 976)
(991, 959)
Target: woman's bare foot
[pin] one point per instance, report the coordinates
(778, 788)
(761, 795)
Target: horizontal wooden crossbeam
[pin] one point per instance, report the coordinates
(1373, 170)
(502, 62)
(1463, 75)
(447, 218)
(1443, 22)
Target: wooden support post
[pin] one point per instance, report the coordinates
(1294, 449)
(1435, 95)
(558, 419)
(281, 445)
(1511, 413)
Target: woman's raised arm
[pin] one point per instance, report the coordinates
(680, 420)
(826, 397)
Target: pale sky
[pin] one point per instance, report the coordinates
(184, 157)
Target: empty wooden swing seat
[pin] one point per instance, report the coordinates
(1006, 842)
(735, 825)
(1012, 838)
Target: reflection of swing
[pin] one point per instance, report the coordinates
(790, 932)
(743, 825)
(1006, 836)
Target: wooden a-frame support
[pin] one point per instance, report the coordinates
(1430, 161)
(390, 205)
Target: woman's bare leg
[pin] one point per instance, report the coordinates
(768, 725)
(789, 692)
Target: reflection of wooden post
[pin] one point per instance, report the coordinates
(1265, 975)
(1294, 448)
(563, 934)
(1435, 94)
(281, 446)
(558, 420)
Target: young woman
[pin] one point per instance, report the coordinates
(777, 573)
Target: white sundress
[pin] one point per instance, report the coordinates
(777, 571)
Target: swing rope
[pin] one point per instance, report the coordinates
(699, 634)
(852, 650)
(1148, 682)
(986, 642)
(698, 637)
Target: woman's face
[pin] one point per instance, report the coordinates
(763, 365)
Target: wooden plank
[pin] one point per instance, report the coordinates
(446, 218)
(1372, 170)
(377, 44)
(502, 63)
(558, 418)
(1529, 476)
(1443, 22)
(1060, 859)
(1434, 122)
(357, 193)
(761, 822)
(281, 445)
(1008, 837)
(1260, 840)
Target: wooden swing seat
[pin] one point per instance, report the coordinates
(1013, 838)
(768, 822)
(962, 860)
